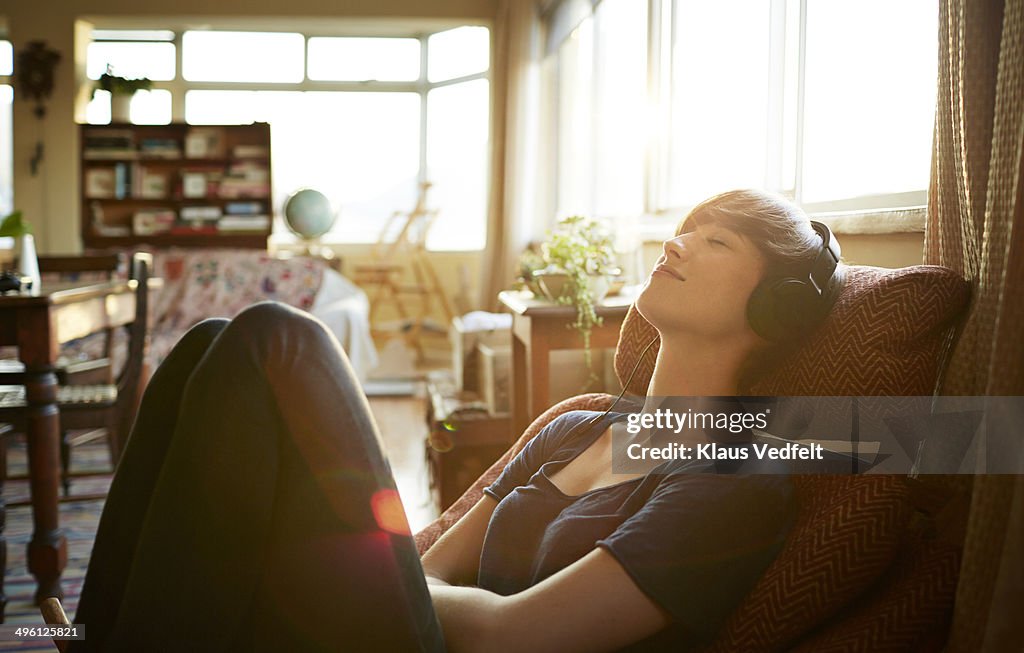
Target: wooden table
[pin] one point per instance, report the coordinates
(539, 326)
(38, 325)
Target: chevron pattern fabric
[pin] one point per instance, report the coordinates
(908, 613)
(848, 532)
(884, 337)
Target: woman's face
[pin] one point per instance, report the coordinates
(701, 283)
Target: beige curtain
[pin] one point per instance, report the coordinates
(976, 226)
(515, 80)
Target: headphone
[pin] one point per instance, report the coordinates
(783, 306)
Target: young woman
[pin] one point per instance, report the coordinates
(253, 508)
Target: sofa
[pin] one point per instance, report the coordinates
(872, 562)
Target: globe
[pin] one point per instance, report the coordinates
(308, 213)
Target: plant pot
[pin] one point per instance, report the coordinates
(558, 284)
(120, 107)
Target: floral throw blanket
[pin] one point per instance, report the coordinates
(198, 284)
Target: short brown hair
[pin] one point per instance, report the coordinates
(783, 234)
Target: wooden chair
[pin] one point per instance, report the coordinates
(102, 408)
(54, 615)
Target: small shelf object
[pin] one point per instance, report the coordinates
(176, 185)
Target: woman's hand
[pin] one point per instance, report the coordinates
(455, 558)
(591, 605)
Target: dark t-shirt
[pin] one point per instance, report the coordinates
(694, 542)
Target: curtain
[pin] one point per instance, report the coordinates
(515, 115)
(975, 225)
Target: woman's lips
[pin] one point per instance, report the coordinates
(664, 269)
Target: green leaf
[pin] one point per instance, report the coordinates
(14, 226)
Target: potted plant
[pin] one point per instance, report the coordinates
(580, 257)
(121, 90)
(14, 226)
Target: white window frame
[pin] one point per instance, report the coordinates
(8, 80)
(871, 214)
(179, 86)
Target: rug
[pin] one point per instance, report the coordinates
(79, 521)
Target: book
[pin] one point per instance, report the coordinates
(152, 184)
(204, 143)
(154, 221)
(99, 183)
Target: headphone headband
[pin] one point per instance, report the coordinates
(824, 267)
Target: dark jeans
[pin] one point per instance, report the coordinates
(253, 509)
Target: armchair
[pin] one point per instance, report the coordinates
(857, 572)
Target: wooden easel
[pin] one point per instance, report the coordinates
(394, 255)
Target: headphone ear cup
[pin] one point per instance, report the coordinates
(776, 308)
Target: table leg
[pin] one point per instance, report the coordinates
(3, 525)
(520, 389)
(47, 551)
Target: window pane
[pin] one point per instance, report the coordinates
(147, 108)
(6, 150)
(362, 59)
(575, 113)
(131, 60)
(359, 149)
(870, 98)
(243, 56)
(458, 52)
(719, 98)
(6, 58)
(151, 107)
(457, 137)
(620, 108)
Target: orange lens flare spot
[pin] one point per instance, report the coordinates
(389, 513)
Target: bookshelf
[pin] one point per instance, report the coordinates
(176, 185)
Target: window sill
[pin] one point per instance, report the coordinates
(658, 228)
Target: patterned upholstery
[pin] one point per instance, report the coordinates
(886, 336)
(848, 532)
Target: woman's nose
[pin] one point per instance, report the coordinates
(675, 248)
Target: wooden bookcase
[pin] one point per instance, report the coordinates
(175, 185)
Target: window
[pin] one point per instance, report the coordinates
(364, 59)
(6, 132)
(242, 57)
(359, 118)
(656, 105)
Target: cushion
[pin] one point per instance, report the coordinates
(909, 610)
(848, 531)
(885, 336)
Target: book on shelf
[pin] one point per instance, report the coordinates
(243, 208)
(159, 148)
(122, 180)
(199, 213)
(250, 151)
(110, 144)
(204, 143)
(247, 223)
(99, 183)
(153, 221)
(152, 184)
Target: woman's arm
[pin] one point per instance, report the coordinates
(591, 605)
(455, 557)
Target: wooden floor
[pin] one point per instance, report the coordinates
(403, 428)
